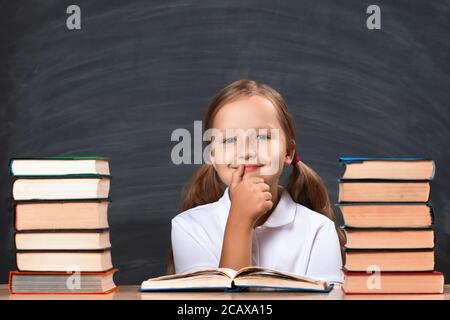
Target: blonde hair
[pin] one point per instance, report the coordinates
(304, 185)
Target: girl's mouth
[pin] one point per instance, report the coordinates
(247, 167)
(252, 167)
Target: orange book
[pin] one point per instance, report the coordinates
(389, 238)
(383, 191)
(387, 215)
(388, 168)
(389, 259)
(63, 214)
(394, 283)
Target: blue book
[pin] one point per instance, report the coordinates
(387, 168)
(229, 280)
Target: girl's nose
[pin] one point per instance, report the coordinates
(248, 152)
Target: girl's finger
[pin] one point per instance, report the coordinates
(256, 179)
(268, 205)
(267, 195)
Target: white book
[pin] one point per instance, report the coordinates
(248, 278)
(59, 166)
(61, 188)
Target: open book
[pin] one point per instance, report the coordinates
(231, 280)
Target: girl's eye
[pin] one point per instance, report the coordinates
(262, 137)
(229, 140)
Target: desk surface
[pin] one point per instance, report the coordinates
(131, 292)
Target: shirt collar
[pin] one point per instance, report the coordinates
(283, 214)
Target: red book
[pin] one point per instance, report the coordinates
(24, 282)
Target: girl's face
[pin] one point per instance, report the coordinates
(248, 132)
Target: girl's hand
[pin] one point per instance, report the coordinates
(250, 198)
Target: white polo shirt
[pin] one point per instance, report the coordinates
(293, 239)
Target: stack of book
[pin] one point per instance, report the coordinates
(388, 221)
(61, 223)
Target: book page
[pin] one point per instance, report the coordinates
(230, 273)
(259, 271)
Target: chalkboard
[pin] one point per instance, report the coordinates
(137, 70)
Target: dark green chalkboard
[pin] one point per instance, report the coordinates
(137, 70)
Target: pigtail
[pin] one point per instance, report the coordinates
(307, 188)
(204, 187)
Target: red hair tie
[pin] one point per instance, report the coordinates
(296, 159)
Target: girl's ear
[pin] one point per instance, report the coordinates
(212, 160)
(290, 153)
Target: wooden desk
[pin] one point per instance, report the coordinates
(132, 293)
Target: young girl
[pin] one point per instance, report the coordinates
(234, 216)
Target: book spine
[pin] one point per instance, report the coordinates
(99, 230)
(351, 228)
(388, 250)
(345, 160)
(15, 202)
(64, 176)
(64, 251)
(351, 180)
